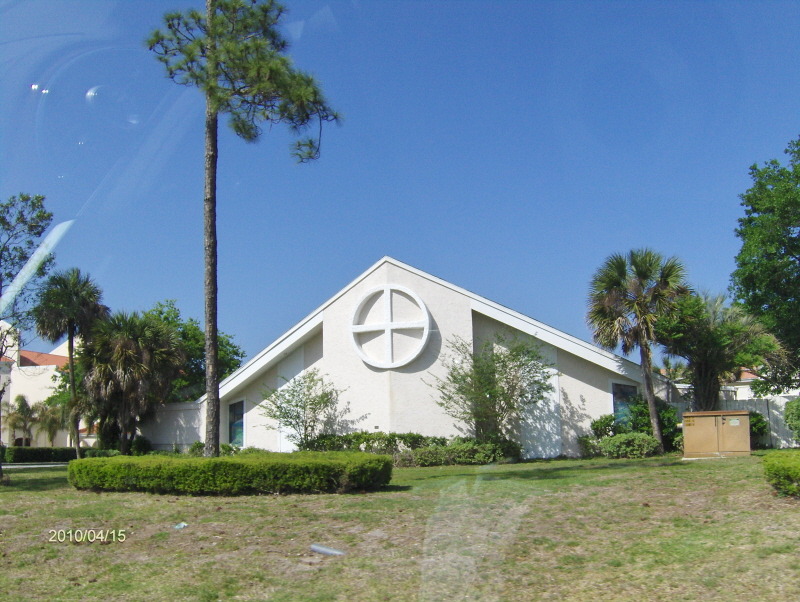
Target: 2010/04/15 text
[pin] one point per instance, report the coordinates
(86, 535)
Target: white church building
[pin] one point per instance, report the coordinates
(383, 338)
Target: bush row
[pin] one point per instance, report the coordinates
(38, 454)
(459, 451)
(624, 445)
(782, 469)
(376, 442)
(252, 473)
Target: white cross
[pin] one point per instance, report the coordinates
(387, 326)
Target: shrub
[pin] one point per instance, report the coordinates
(226, 449)
(375, 442)
(605, 426)
(100, 453)
(460, 451)
(640, 420)
(759, 427)
(782, 470)
(589, 445)
(629, 445)
(39, 454)
(141, 446)
(264, 472)
(791, 417)
(196, 449)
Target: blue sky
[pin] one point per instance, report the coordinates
(507, 147)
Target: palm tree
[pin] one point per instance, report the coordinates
(675, 372)
(717, 340)
(68, 306)
(51, 419)
(628, 294)
(21, 416)
(130, 361)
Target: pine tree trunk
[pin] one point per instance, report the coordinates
(649, 392)
(73, 396)
(210, 244)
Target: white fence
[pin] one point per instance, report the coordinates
(771, 408)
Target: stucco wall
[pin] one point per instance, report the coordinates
(178, 424)
(399, 399)
(585, 394)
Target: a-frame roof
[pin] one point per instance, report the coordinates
(311, 325)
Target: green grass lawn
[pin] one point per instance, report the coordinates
(656, 529)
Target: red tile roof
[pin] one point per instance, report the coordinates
(35, 358)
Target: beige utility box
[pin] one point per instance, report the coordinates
(716, 434)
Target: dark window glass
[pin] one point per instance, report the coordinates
(622, 401)
(236, 423)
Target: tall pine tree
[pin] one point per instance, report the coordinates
(236, 55)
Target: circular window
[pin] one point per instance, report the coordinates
(390, 326)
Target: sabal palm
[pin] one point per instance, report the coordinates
(68, 306)
(627, 295)
(130, 361)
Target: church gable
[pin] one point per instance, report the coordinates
(383, 340)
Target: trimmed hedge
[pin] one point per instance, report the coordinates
(254, 473)
(376, 442)
(39, 454)
(628, 445)
(782, 469)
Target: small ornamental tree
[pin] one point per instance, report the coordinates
(306, 405)
(487, 391)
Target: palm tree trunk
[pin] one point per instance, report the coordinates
(73, 395)
(210, 244)
(2, 455)
(705, 386)
(649, 392)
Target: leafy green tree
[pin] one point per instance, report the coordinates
(130, 361)
(717, 340)
(236, 55)
(23, 221)
(69, 305)
(304, 405)
(489, 389)
(627, 296)
(791, 416)
(21, 416)
(767, 276)
(189, 384)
